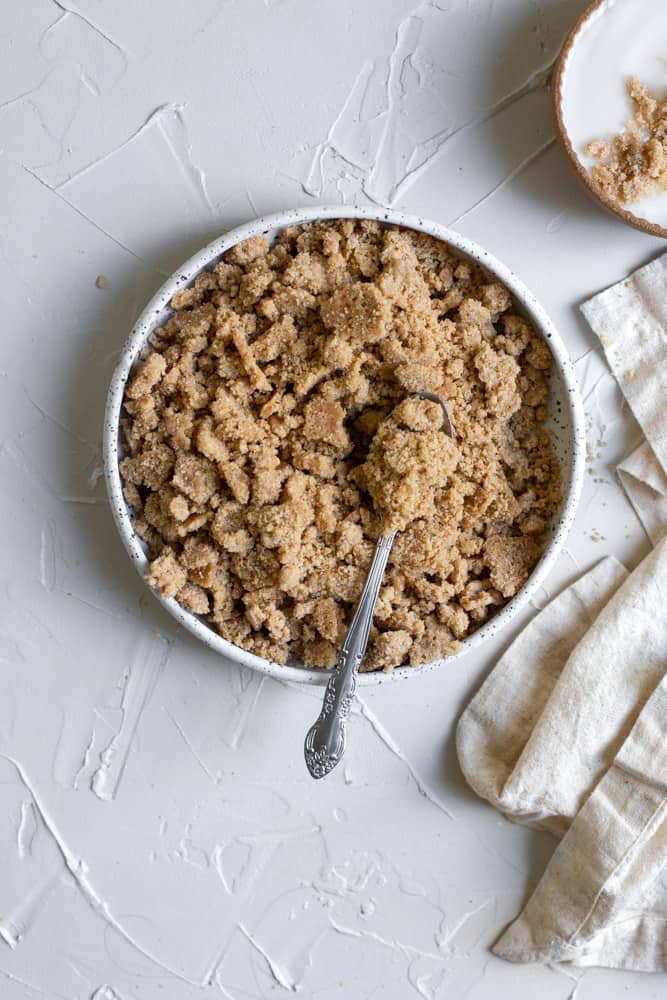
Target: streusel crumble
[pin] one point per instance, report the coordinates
(634, 163)
(250, 468)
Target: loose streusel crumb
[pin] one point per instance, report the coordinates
(634, 163)
(270, 415)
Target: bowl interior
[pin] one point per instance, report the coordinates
(565, 425)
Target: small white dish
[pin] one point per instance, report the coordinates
(566, 426)
(611, 41)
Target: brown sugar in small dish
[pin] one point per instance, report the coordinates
(611, 126)
(633, 163)
(253, 421)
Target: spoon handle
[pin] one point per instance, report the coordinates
(326, 738)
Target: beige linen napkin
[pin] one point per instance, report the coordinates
(646, 486)
(630, 319)
(569, 732)
(603, 897)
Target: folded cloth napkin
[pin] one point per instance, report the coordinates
(645, 483)
(630, 319)
(569, 731)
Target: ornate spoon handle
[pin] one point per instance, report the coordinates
(325, 740)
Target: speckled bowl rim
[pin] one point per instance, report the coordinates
(209, 255)
(563, 136)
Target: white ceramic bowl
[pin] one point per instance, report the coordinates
(566, 426)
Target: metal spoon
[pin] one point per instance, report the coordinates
(326, 738)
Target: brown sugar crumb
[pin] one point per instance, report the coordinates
(634, 163)
(166, 574)
(388, 649)
(270, 436)
(323, 421)
(510, 561)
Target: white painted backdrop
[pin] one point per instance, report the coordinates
(160, 838)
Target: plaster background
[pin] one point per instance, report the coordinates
(159, 834)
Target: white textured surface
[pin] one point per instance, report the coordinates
(160, 837)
